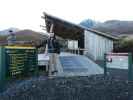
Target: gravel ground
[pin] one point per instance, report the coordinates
(74, 88)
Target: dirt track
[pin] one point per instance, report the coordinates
(75, 88)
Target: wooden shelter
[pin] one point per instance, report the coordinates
(97, 43)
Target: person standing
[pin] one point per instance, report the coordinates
(53, 49)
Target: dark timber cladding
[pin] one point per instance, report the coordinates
(65, 29)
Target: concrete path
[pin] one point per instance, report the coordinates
(77, 65)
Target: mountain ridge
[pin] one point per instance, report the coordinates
(114, 27)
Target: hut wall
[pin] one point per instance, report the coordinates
(97, 45)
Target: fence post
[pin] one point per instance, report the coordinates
(105, 66)
(130, 67)
(37, 68)
(2, 68)
(78, 51)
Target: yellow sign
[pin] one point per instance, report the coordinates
(19, 47)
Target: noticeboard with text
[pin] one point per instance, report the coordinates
(119, 65)
(20, 60)
(117, 61)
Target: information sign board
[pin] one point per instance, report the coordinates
(20, 60)
(119, 65)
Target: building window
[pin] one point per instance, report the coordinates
(72, 44)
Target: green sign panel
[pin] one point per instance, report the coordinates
(20, 60)
(2, 68)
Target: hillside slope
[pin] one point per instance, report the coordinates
(25, 35)
(116, 27)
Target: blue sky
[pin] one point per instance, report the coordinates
(26, 14)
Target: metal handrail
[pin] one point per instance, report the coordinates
(74, 51)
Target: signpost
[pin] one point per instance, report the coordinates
(119, 65)
(2, 68)
(20, 60)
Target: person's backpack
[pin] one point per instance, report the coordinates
(57, 47)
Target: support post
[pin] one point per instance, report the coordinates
(2, 68)
(51, 58)
(130, 67)
(105, 66)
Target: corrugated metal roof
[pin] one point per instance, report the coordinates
(51, 17)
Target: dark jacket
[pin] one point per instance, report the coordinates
(53, 46)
